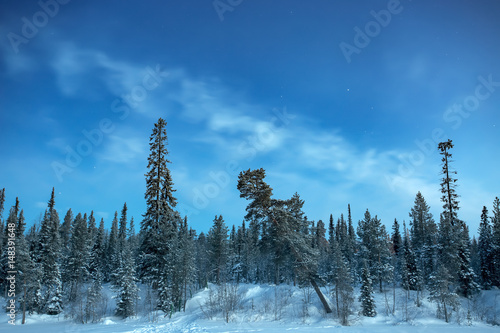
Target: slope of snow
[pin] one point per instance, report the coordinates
(265, 308)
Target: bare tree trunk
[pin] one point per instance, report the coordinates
(337, 298)
(321, 296)
(394, 296)
(445, 312)
(24, 304)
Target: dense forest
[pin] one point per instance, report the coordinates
(62, 265)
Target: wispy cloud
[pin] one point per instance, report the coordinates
(124, 149)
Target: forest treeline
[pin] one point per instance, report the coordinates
(60, 265)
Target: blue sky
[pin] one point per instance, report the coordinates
(340, 101)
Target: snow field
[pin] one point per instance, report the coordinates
(283, 308)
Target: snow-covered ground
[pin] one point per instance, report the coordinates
(263, 308)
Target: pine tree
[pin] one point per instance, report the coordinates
(375, 249)
(127, 286)
(441, 291)
(132, 237)
(411, 275)
(47, 256)
(448, 186)
(485, 250)
(94, 298)
(423, 230)
(495, 222)
(397, 242)
(76, 270)
(218, 249)
(340, 276)
(65, 233)
(202, 263)
(323, 248)
(186, 269)
(8, 260)
(467, 285)
(351, 244)
(122, 231)
(450, 229)
(91, 229)
(97, 261)
(345, 291)
(26, 274)
(113, 252)
(170, 283)
(160, 203)
(285, 216)
(368, 307)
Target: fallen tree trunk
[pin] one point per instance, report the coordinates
(321, 296)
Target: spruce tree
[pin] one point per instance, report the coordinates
(375, 249)
(113, 252)
(186, 270)
(440, 290)
(202, 262)
(48, 257)
(122, 231)
(368, 307)
(352, 245)
(423, 230)
(411, 279)
(218, 249)
(396, 239)
(76, 270)
(127, 290)
(495, 222)
(94, 298)
(448, 184)
(467, 285)
(160, 203)
(454, 236)
(65, 233)
(97, 261)
(485, 250)
(91, 229)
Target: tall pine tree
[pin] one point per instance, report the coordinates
(160, 203)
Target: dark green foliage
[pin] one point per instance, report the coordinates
(375, 249)
(485, 251)
(47, 256)
(495, 223)
(423, 236)
(467, 285)
(218, 250)
(76, 269)
(157, 225)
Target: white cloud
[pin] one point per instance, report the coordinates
(124, 149)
